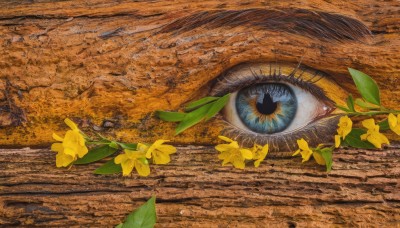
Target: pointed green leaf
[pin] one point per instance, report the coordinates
(350, 103)
(96, 154)
(109, 168)
(170, 116)
(192, 118)
(119, 225)
(128, 146)
(143, 217)
(366, 86)
(326, 153)
(342, 108)
(366, 105)
(196, 104)
(113, 145)
(217, 106)
(353, 139)
(384, 125)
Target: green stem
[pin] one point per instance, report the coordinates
(371, 113)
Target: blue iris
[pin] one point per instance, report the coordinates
(266, 108)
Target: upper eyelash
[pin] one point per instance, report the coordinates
(315, 131)
(228, 85)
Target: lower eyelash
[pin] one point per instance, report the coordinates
(314, 133)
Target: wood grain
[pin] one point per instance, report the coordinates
(194, 190)
(103, 63)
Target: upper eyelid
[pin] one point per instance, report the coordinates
(231, 80)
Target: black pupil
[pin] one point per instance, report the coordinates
(268, 106)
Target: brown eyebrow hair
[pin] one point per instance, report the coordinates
(312, 24)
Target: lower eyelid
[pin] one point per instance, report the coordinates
(318, 130)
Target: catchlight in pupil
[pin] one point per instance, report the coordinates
(266, 108)
(278, 103)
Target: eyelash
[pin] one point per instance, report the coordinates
(318, 129)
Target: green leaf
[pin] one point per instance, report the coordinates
(326, 153)
(192, 118)
(170, 116)
(119, 225)
(128, 146)
(217, 106)
(350, 103)
(196, 104)
(109, 168)
(366, 86)
(384, 125)
(342, 108)
(366, 105)
(353, 139)
(113, 145)
(96, 154)
(143, 217)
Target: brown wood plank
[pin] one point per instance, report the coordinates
(194, 190)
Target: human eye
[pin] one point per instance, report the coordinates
(278, 104)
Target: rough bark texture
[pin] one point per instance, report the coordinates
(104, 63)
(194, 190)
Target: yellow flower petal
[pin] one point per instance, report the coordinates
(127, 167)
(345, 124)
(247, 154)
(56, 137)
(57, 147)
(222, 147)
(226, 139)
(337, 141)
(63, 160)
(318, 158)
(369, 124)
(161, 158)
(120, 158)
(142, 169)
(392, 120)
(296, 153)
(71, 124)
(303, 145)
(306, 154)
(394, 123)
(167, 149)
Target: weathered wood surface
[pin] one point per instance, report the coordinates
(103, 63)
(194, 190)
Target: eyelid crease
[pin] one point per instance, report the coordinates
(317, 83)
(248, 74)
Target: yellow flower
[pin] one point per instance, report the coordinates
(259, 153)
(318, 158)
(304, 150)
(394, 123)
(373, 135)
(345, 124)
(232, 153)
(160, 153)
(133, 159)
(72, 146)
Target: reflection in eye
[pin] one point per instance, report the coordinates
(278, 104)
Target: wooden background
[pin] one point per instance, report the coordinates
(100, 63)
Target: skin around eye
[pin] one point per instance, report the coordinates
(278, 104)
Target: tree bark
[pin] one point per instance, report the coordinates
(106, 65)
(194, 190)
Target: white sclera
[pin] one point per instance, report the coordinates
(308, 109)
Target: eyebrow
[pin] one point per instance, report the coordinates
(312, 24)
